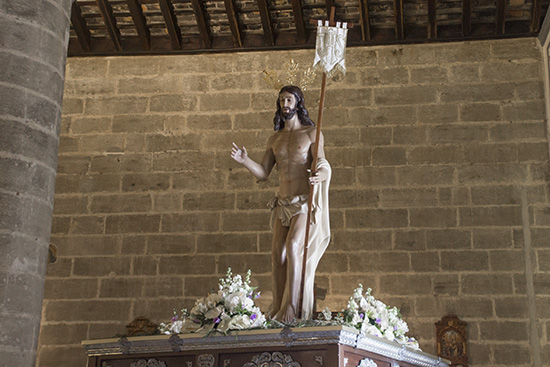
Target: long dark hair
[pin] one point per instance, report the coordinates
(301, 110)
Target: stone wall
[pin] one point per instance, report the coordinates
(439, 199)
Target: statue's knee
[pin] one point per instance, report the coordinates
(294, 248)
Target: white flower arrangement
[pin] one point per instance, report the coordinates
(231, 308)
(373, 317)
(179, 324)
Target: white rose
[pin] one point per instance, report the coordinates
(223, 326)
(384, 320)
(233, 300)
(370, 329)
(176, 327)
(259, 321)
(364, 304)
(247, 303)
(356, 319)
(388, 334)
(240, 322)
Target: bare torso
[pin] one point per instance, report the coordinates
(291, 150)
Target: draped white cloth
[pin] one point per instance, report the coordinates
(330, 48)
(319, 237)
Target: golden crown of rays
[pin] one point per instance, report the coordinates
(291, 75)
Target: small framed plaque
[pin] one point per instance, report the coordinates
(452, 340)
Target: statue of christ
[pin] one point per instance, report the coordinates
(290, 148)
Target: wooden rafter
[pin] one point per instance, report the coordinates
(500, 15)
(399, 28)
(267, 26)
(109, 19)
(171, 21)
(535, 15)
(80, 28)
(141, 25)
(200, 16)
(233, 22)
(432, 23)
(365, 21)
(299, 21)
(466, 17)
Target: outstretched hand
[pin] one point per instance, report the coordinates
(239, 154)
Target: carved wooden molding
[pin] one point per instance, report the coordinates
(148, 363)
(367, 362)
(275, 359)
(206, 360)
(452, 340)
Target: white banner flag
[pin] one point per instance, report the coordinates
(330, 48)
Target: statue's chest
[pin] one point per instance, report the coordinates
(291, 145)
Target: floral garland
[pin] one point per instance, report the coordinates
(373, 317)
(231, 308)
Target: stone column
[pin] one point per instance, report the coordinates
(33, 47)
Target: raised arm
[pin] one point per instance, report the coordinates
(260, 171)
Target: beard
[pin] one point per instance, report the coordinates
(288, 115)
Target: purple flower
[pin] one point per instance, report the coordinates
(217, 320)
(361, 315)
(174, 318)
(253, 317)
(395, 328)
(378, 321)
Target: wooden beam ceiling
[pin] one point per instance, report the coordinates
(535, 16)
(299, 21)
(206, 26)
(432, 25)
(466, 18)
(267, 25)
(233, 22)
(171, 20)
(398, 14)
(200, 16)
(500, 15)
(365, 21)
(79, 26)
(141, 24)
(106, 12)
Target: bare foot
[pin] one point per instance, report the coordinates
(289, 315)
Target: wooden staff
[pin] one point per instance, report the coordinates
(313, 171)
